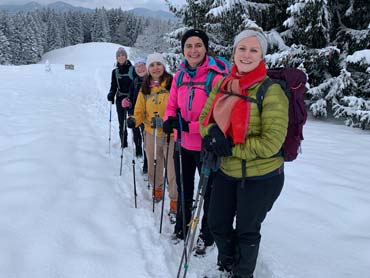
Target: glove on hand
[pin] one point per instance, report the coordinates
(167, 126)
(131, 122)
(110, 97)
(207, 143)
(176, 124)
(221, 146)
(126, 103)
(156, 122)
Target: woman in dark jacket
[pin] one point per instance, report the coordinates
(121, 80)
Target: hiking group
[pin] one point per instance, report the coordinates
(229, 124)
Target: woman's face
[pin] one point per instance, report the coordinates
(248, 54)
(140, 69)
(194, 51)
(121, 59)
(156, 70)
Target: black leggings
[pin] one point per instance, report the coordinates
(238, 248)
(191, 161)
(122, 113)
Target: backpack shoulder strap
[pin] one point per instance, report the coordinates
(262, 91)
(246, 98)
(116, 73)
(209, 80)
(179, 79)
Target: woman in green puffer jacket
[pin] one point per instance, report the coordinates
(251, 175)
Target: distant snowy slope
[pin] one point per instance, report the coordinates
(94, 53)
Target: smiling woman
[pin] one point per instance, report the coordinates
(185, 104)
(251, 176)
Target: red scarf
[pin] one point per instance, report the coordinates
(231, 113)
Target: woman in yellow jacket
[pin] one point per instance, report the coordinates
(251, 174)
(149, 109)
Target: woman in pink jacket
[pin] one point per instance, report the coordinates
(189, 93)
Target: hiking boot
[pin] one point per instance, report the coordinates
(173, 206)
(123, 143)
(139, 152)
(224, 268)
(145, 166)
(158, 194)
(201, 248)
(173, 211)
(176, 237)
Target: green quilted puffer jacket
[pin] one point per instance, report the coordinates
(266, 134)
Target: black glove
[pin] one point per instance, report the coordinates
(207, 143)
(221, 146)
(176, 124)
(131, 122)
(156, 122)
(110, 97)
(167, 126)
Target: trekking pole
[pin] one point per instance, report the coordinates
(165, 178)
(110, 125)
(133, 166)
(193, 212)
(122, 137)
(185, 255)
(210, 162)
(155, 159)
(143, 147)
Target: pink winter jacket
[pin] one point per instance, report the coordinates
(191, 104)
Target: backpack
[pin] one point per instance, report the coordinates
(209, 79)
(293, 82)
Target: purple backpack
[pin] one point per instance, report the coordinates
(293, 82)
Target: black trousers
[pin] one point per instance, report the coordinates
(238, 248)
(138, 140)
(122, 113)
(191, 161)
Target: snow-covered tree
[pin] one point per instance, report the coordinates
(75, 27)
(8, 30)
(5, 54)
(151, 39)
(100, 27)
(309, 23)
(54, 36)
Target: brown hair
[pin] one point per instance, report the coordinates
(145, 87)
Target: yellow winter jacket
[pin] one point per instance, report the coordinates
(266, 134)
(146, 105)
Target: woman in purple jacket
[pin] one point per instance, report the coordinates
(188, 96)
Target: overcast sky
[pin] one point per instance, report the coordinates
(109, 4)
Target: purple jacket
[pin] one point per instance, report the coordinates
(191, 99)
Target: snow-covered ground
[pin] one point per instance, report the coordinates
(65, 211)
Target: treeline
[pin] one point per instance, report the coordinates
(25, 36)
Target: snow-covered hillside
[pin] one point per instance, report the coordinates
(66, 212)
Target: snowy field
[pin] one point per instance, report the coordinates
(66, 213)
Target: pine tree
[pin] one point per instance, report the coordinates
(8, 29)
(151, 40)
(310, 22)
(53, 32)
(100, 28)
(75, 27)
(5, 55)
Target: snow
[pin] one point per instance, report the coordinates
(362, 57)
(66, 212)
